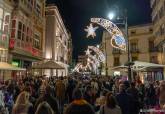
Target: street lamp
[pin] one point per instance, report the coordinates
(111, 15)
(129, 63)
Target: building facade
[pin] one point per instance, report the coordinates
(5, 20)
(27, 32)
(57, 40)
(6, 9)
(142, 48)
(158, 19)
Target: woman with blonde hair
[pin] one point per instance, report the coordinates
(44, 108)
(22, 104)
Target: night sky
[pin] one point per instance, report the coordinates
(76, 15)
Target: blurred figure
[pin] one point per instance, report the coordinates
(88, 95)
(124, 100)
(151, 96)
(60, 93)
(22, 104)
(133, 91)
(49, 99)
(111, 106)
(44, 108)
(79, 105)
(162, 94)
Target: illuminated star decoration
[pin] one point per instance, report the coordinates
(91, 30)
(88, 52)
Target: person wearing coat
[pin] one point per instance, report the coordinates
(22, 104)
(125, 101)
(47, 97)
(79, 105)
(110, 107)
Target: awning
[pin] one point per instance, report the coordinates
(7, 66)
(48, 65)
(139, 65)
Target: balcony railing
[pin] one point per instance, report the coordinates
(151, 49)
(26, 47)
(116, 51)
(134, 50)
(116, 64)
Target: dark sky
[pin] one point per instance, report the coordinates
(77, 13)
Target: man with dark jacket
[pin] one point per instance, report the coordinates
(136, 96)
(49, 99)
(124, 100)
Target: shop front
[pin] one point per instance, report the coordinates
(151, 75)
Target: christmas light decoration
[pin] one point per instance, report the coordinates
(117, 40)
(88, 52)
(101, 56)
(91, 31)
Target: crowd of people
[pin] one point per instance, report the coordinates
(79, 95)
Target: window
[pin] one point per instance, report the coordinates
(36, 41)
(133, 32)
(135, 58)
(3, 55)
(6, 23)
(134, 46)
(38, 9)
(1, 17)
(19, 30)
(116, 61)
(13, 31)
(153, 59)
(151, 44)
(150, 30)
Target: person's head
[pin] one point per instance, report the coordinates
(157, 82)
(88, 90)
(23, 98)
(44, 108)
(121, 88)
(77, 94)
(110, 100)
(132, 84)
(104, 92)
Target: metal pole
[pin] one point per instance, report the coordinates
(128, 46)
(106, 68)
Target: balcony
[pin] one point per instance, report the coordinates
(116, 51)
(116, 64)
(24, 48)
(134, 50)
(153, 49)
(25, 6)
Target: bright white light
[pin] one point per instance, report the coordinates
(111, 16)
